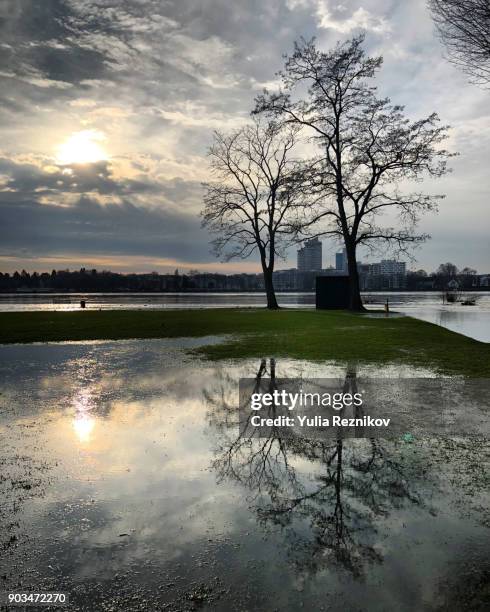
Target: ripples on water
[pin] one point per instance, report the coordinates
(125, 483)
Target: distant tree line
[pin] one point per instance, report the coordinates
(446, 275)
(84, 280)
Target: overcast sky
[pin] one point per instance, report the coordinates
(136, 87)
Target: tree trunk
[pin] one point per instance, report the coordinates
(355, 301)
(269, 290)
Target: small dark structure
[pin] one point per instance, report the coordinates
(332, 292)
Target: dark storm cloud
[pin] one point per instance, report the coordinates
(35, 218)
(52, 44)
(29, 179)
(88, 227)
(34, 213)
(40, 45)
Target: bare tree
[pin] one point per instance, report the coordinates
(251, 204)
(464, 28)
(447, 270)
(368, 147)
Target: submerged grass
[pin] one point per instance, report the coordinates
(301, 334)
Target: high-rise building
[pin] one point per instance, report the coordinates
(341, 261)
(384, 275)
(310, 256)
(391, 266)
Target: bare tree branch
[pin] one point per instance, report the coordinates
(464, 28)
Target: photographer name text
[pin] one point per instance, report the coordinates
(291, 401)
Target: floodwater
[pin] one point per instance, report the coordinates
(472, 321)
(124, 482)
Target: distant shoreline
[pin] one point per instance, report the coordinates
(218, 291)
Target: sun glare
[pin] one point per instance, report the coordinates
(82, 148)
(83, 422)
(83, 426)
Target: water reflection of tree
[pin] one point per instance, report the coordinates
(327, 494)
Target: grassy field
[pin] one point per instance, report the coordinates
(314, 335)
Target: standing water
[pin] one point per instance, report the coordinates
(125, 483)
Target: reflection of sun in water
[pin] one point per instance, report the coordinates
(83, 422)
(82, 148)
(83, 425)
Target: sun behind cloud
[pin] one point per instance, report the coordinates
(82, 148)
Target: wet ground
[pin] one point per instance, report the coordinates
(472, 321)
(124, 482)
